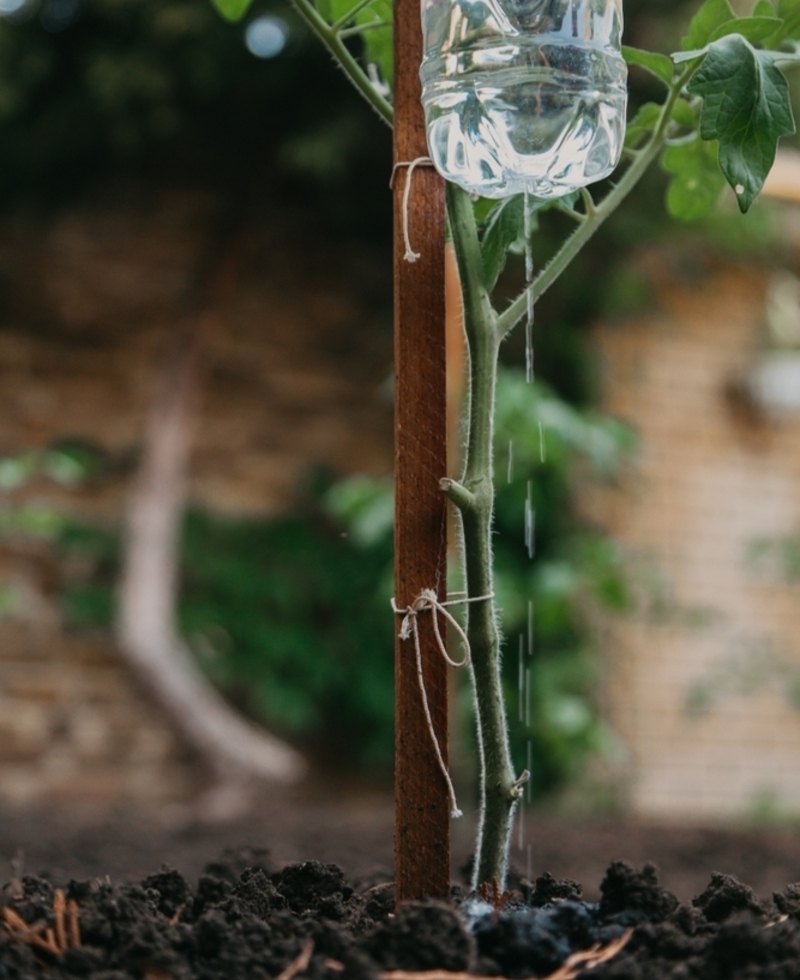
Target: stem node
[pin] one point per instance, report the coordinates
(457, 494)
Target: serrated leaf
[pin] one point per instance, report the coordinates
(232, 9)
(659, 65)
(713, 14)
(642, 124)
(746, 107)
(755, 29)
(697, 181)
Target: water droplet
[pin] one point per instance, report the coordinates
(530, 627)
(530, 522)
(528, 698)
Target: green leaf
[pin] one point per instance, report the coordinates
(374, 21)
(504, 230)
(378, 47)
(684, 114)
(659, 65)
(697, 181)
(746, 107)
(789, 10)
(232, 9)
(642, 124)
(713, 14)
(763, 9)
(755, 29)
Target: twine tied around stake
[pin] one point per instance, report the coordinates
(427, 600)
(410, 254)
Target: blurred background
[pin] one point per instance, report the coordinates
(195, 338)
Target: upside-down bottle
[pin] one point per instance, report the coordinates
(523, 95)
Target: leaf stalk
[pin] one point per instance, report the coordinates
(331, 37)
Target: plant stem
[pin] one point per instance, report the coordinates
(499, 790)
(597, 214)
(337, 26)
(333, 41)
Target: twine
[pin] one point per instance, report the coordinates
(410, 254)
(409, 629)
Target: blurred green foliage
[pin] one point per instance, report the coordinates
(290, 616)
(547, 581)
(287, 616)
(778, 556)
(97, 91)
(293, 623)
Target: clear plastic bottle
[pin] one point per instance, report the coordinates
(523, 95)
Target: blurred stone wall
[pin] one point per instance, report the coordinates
(704, 676)
(296, 367)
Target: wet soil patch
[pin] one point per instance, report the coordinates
(245, 918)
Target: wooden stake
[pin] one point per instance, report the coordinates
(422, 828)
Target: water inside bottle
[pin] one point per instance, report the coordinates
(524, 96)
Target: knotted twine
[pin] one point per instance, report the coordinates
(427, 600)
(410, 255)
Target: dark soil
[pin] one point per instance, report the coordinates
(248, 914)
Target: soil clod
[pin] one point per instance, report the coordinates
(307, 922)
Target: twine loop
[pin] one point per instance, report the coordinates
(428, 601)
(410, 255)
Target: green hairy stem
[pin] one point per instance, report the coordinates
(499, 788)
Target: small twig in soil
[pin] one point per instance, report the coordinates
(300, 963)
(73, 925)
(776, 922)
(589, 958)
(19, 929)
(59, 906)
(569, 970)
(494, 895)
(55, 941)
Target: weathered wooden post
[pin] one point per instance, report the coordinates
(422, 825)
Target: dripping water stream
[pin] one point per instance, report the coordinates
(526, 224)
(526, 641)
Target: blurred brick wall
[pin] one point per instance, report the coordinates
(702, 676)
(295, 370)
(74, 727)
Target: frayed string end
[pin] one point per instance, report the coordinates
(410, 255)
(427, 600)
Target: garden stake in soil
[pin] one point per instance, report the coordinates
(422, 828)
(716, 55)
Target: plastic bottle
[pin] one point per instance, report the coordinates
(523, 95)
